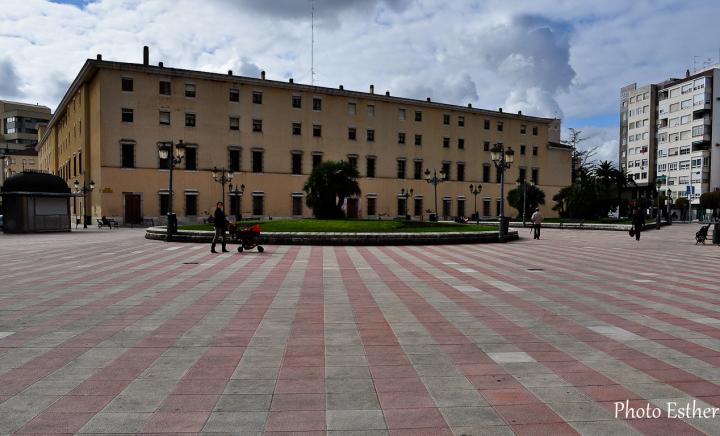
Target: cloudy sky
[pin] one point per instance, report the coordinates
(555, 58)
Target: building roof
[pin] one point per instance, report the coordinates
(35, 183)
(28, 106)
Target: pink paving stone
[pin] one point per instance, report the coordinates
(403, 384)
(100, 387)
(503, 397)
(391, 371)
(318, 360)
(176, 422)
(469, 369)
(200, 386)
(497, 381)
(301, 372)
(405, 400)
(56, 423)
(295, 421)
(437, 431)
(288, 402)
(300, 386)
(549, 429)
(536, 413)
(80, 403)
(414, 418)
(609, 393)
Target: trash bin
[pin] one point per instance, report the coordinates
(433, 217)
(505, 224)
(172, 222)
(716, 233)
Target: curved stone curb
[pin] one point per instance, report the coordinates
(311, 238)
(587, 226)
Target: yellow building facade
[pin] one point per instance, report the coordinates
(112, 120)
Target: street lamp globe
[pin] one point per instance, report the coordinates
(496, 152)
(77, 185)
(92, 185)
(509, 155)
(214, 172)
(427, 174)
(163, 151)
(180, 150)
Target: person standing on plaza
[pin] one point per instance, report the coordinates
(220, 223)
(536, 219)
(638, 222)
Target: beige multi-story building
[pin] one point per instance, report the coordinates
(19, 123)
(111, 122)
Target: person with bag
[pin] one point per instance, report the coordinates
(536, 219)
(220, 223)
(638, 222)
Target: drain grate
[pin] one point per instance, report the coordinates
(190, 263)
(535, 269)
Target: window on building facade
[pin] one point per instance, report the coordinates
(127, 151)
(461, 207)
(370, 166)
(401, 114)
(522, 174)
(189, 120)
(486, 146)
(486, 124)
(370, 135)
(446, 119)
(418, 139)
(127, 115)
(401, 138)
(316, 160)
(461, 121)
(257, 161)
(371, 111)
(257, 97)
(486, 207)
(352, 160)
(372, 206)
(352, 109)
(401, 168)
(235, 204)
(498, 175)
(164, 118)
(401, 206)
(486, 173)
(296, 128)
(234, 123)
(535, 150)
(258, 204)
(317, 104)
(165, 88)
(461, 143)
(418, 115)
(296, 163)
(234, 95)
(317, 130)
(164, 202)
(234, 160)
(534, 130)
(536, 176)
(297, 205)
(446, 170)
(127, 84)
(190, 90)
(447, 207)
(460, 172)
(418, 209)
(446, 142)
(418, 170)
(191, 204)
(522, 149)
(523, 128)
(191, 158)
(500, 126)
(296, 101)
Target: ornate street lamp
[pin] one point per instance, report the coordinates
(503, 159)
(669, 206)
(405, 195)
(435, 180)
(174, 154)
(222, 176)
(658, 183)
(524, 185)
(83, 191)
(475, 190)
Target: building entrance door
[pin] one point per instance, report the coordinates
(133, 213)
(352, 207)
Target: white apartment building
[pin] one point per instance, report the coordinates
(686, 142)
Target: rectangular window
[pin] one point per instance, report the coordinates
(372, 206)
(164, 164)
(352, 160)
(370, 166)
(234, 123)
(317, 130)
(316, 160)
(536, 176)
(401, 114)
(535, 150)
(258, 204)
(371, 111)
(165, 88)
(486, 207)
(401, 169)
(401, 138)
(164, 118)
(522, 174)
(164, 204)
(257, 125)
(190, 90)
(191, 204)
(257, 97)
(128, 155)
(497, 176)
(257, 161)
(401, 206)
(127, 84)
(486, 124)
(127, 115)
(235, 205)
(418, 115)
(461, 207)
(234, 94)
(461, 143)
(461, 173)
(446, 142)
(461, 121)
(418, 139)
(486, 146)
(523, 128)
(234, 160)
(317, 104)
(446, 170)
(418, 209)
(297, 205)
(535, 131)
(446, 207)
(296, 128)
(191, 158)
(522, 149)
(352, 109)
(499, 126)
(296, 103)
(446, 119)
(417, 170)
(297, 163)
(486, 174)
(189, 120)
(371, 135)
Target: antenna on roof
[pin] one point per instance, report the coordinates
(312, 42)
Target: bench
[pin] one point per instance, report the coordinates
(148, 222)
(109, 223)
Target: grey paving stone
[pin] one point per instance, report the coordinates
(347, 372)
(605, 428)
(366, 400)
(243, 403)
(250, 387)
(559, 394)
(231, 422)
(491, 430)
(459, 398)
(255, 373)
(116, 422)
(471, 416)
(355, 420)
(339, 385)
(137, 403)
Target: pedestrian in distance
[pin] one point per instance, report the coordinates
(638, 222)
(220, 223)
(536, 219)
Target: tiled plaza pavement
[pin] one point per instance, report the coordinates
(106, 332)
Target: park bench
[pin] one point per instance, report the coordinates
(108, 222)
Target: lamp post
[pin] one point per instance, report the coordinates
(234, 191)
(83, 191)
(405, 195)
(435, 180)
(669, 206)
(503, 159)
(475, 190)
(524, 184)
(222, 176)
(658, 183)
(174, 153)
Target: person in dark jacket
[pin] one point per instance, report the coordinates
(638, 222)
(220, 223)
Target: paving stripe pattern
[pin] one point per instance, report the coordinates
(109, 333)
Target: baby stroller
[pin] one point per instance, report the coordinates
(701, 235)
(247, 238)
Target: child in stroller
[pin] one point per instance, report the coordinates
(701, 235)
(247, 237)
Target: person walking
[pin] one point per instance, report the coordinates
(220, 223)
(536, 219)
(638, 222)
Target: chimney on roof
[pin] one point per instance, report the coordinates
(262, 75)
(160, 64)
(99, 57)
(341, 87)
(229, 72)
(428, 99)
(499, 109)
(291, 80)
(470, 105)
(687, 73)
(146, 55)
(387, 93)
(519, 112)
(372, 89)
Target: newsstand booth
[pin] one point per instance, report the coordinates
(35, 202)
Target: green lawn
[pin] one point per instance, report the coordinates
(351, 226)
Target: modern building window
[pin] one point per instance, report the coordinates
(401, 114)
(446, 142)
(257, 97)
(401, 138)
(128, 155)
(535, 150)
(500, 126)
(371, 206)
(536, 176)
(296, 163)
(486, 124)
(127, 84)
(257, 161)
(352, 160)
(401, 168)
(234, 123)
(258, 204)
(316, 160)
(191, 158)
(165, 88)
(418, 115)
(461, 121)
(370, 135)
(190, 90)
(352, 133)
(317, 104)
(189, 120)
(317, 130)
(461, 172)
(352, 108)
(486, 146)
(296, 128)
(534, 130)
(164, 118)
(257, 125)
(446, 119)
(370, 166)
(418, 139)
(127, 115)
(461, 143)
(297, 205)
(371, 111)
(486, 173)
(191, 204)
(522, 149)
(446, 170)
(234, 160)
(418, 209)
(234, 95)
(296, 101)
(417, 170)
(164, 203)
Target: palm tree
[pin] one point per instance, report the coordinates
(328, 186)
